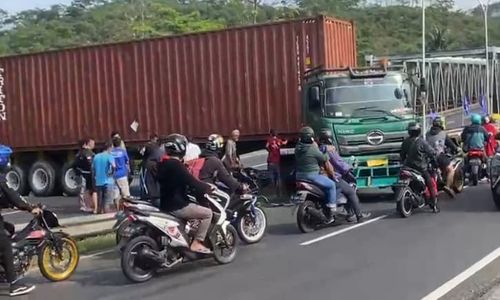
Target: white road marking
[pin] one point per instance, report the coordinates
(342, 231)
(97, 254)
(454, 282)
(11, 212)
(259, 165)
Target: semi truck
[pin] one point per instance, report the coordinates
(277, 75)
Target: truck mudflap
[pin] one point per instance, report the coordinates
(377, 177)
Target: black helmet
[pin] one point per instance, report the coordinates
(438, 122)
(414, 129)
(175, 145)
(326, 136)
(215, 142)
(306, 135)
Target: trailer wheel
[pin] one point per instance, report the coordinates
(16, 179)
(69, 180)
(42, 178)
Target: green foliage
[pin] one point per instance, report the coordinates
(380, 30)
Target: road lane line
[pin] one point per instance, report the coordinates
(342, 231)
(259, 165)
(454, 282)
(11, 213)
(97, 254)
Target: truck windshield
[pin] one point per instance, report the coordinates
(366, 99)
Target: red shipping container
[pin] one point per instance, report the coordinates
(196, 84)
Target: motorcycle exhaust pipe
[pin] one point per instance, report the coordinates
(316, 213)
(152, 255)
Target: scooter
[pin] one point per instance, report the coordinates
(475, 167)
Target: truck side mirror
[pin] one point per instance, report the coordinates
(314, 97)
(398, 93)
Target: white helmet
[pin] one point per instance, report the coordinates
(215, 142)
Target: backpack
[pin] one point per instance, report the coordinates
(194, 166)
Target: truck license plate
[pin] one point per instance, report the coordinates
(377, 162)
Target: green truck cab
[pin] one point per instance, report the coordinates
(368, 111)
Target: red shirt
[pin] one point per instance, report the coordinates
(273, 146)
(491, 146)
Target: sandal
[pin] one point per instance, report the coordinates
(202, 251)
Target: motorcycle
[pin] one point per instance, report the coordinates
(154, 240)
(57, 252)
(475, 167)
(457, 164)
(311, 209)
(412, 193)
(244, 212)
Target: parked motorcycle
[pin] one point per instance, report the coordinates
(311, 209)
(57, 252)
(156, 240)
(475, 167)
(412, 193)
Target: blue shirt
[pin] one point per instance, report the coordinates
(121, 162)
(103, 168)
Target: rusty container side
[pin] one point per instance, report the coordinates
(196, 84)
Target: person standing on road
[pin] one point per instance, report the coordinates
(122, 170)
(83, 168)
(273, 147)
(231, 159)
(116, 134)
(103, 167)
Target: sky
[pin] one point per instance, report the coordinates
(13, 6)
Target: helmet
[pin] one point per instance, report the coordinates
(486, 119)
(326, 136)
(306, 135)
(475, 119)
(175, 145)
(414, 129)
(438, 122)
(215, 142)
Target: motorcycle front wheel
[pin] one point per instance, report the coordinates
(252, 229)
(58, 265)
(225, 248)
(458, 181)
(404, 202)
(135, 267)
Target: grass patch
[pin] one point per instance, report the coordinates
(97, 243)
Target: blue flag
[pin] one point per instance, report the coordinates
(484, 106)
(466, 103)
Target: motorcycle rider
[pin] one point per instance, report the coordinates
(491, 145)
(174, 179)
(9, 198)
(309, 160)
(342, 170)
(475, 136)
(213, 168)
(416, 153)
(440, 141)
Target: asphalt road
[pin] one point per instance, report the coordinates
(391, 258)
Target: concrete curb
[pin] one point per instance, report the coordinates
(82, 227)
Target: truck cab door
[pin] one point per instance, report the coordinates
(313, 106)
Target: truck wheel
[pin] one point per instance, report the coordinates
(16, 179)
(69, 180)
(42, 178)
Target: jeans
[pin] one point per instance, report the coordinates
(105, 195)
(350, 193)
(325, 183)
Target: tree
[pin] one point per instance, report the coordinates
(438, 40)
(443, 4)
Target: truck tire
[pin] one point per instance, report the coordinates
(69, 181)
(16, 179)
(42, 178)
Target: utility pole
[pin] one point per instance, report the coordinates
(484, 5)
(423, 88)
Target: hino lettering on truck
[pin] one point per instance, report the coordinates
(3, 112)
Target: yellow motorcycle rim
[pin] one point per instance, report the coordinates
(57, 268)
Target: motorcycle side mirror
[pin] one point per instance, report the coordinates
(398, 93)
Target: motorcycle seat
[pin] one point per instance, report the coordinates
(137, 201)
(312, 187)
(166, 216)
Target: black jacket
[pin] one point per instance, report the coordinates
(213, 169)
(174, 179)
(417, 153)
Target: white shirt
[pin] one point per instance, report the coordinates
(193, 151)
